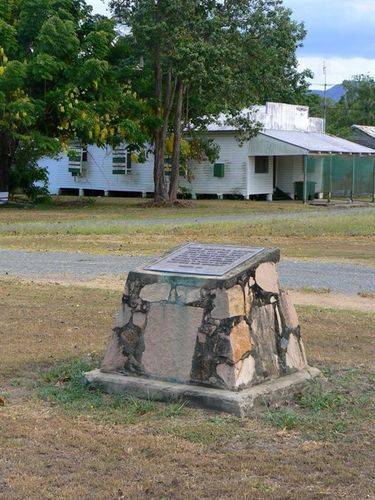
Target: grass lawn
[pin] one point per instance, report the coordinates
(69, 208)
(61, 440)
(349, 237)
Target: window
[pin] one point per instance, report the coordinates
(261, 165)
(77, 158)
(219, 169)
(121, 160)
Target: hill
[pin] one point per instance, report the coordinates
(335, 93)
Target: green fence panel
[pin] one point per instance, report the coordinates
(342, 176)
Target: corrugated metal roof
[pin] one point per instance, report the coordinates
(366, 129)
(316, 142)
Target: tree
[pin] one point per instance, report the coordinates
(59, 80)
(202, 58)
(26, 175)
(357, 106)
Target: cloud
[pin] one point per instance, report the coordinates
(99, 6)
(363, 7)
(337, 27)
(338, 68)
(339, 31)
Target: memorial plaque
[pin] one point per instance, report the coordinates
(202, 259)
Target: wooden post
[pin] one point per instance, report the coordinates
(305, 196)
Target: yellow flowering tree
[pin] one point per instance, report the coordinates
(60, 80)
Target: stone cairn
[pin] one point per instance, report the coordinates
(230, 333)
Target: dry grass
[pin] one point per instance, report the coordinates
(66, 446)
(45, 324)
(346, 238)
(337, 301)
(68, 208)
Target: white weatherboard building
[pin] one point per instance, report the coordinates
(271, 162)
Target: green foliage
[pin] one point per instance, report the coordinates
(224, 55)
(58, 38)
(59, 78)
(356, 107)
(26, 175)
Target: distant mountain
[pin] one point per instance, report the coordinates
(335, 93)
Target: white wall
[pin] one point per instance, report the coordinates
(289, 169)
(280, 116)
(236, 162)
(240, 177)
(260, 183)
(99, 174)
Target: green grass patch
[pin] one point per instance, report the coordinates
(324, 412)
(64, 385)
(327, 410)
(317, 226)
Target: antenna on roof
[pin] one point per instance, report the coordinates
(325, 94)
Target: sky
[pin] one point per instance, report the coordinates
(341, 33)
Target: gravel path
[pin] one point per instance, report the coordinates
(340, 278)
(257, 217)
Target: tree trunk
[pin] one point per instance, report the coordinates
(160, 188)
(7, 150)
(164, 111)
(177, 130)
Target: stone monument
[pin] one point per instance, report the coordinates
(210, 325)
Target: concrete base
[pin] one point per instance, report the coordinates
(238, 403)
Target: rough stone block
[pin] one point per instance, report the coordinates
(157, 292)
(139, 319)
(229, 303)
(288, 310)
(170, 337)
(187, 294)
(264, 336)
(245, 372)
(295, 354)
(240, 341)
(114, 359)
(237, 376)
(267, 278)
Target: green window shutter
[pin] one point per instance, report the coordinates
(121, 161)
(219, 169)
(76, 155)
(129, 160)
(75, 171)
